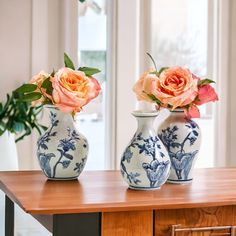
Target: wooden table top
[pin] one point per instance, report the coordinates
(105, 191)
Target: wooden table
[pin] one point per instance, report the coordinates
(100, 203)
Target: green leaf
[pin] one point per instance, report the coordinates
(1, 107)
(47, 84)
(26, 88)
(27, 132)
(53, 73)
(8, 102)
(68, 62)
(205, 82)
(30, 97)
(2, 125)
(153, 98)
(162, 69)
(89, 71)
(154, 73)
(18, 127)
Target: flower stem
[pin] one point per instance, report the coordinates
(153, 61)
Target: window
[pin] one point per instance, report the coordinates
(180, 36)
(93, 52)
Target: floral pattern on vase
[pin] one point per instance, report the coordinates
(145, 162)
(182, 138)
(62, 150)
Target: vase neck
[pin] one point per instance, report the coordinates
(64, 118)
(145, 121)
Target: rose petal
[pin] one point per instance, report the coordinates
(206, 94)
(192, 112)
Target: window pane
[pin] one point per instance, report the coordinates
(92, 52)
(180, 37)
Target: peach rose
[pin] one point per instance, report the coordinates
(73, 89)
(38, 80)
(143, 85)
(175, 87)
(206, 94)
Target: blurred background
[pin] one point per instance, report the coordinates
(114, 36)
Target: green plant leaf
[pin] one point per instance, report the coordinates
(154, 73)
(162, 69)
(30, 97)
(26, 88)
(8, 102)
(53, 73)
(18, 127)
(68, 62)
(153, 98)
(2, 127)
(47, 84)
(89, 71)
(1, 107)
(205, 82)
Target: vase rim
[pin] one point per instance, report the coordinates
(51, 106)
(177, 110)
(145, 113)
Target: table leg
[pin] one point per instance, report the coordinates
(82, 224)
(9, 217)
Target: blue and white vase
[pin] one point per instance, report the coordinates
(62, 150)
(145, 163)
(182, 138)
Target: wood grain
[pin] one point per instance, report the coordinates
(136, 223)
(195, 218)
(106, 191)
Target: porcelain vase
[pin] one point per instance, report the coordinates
(182, 139)
(145, 163)
(62, 149)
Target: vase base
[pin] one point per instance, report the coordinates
(172, 181)
(144, 188)
(63, 178)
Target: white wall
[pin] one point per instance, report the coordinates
(33, 36)
(15, 56)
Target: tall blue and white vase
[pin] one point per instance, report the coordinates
(62, 150)
(145, 163)
(182, 138)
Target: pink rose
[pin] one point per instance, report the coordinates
(192, 112)
(38, 80)
(175, 87)
(73, 89)
(143, 85)
(206, 94)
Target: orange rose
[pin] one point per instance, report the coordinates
(38, 80)
(73, 89)
(143, 85)
(175, 87)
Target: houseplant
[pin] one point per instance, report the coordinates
(62, 150)
(17, 120)
(180, 91)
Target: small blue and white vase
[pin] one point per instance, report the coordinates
(62, 150)
(145, 163)
(182, 138)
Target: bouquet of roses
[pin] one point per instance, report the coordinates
(175, 88)
(67, 89)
